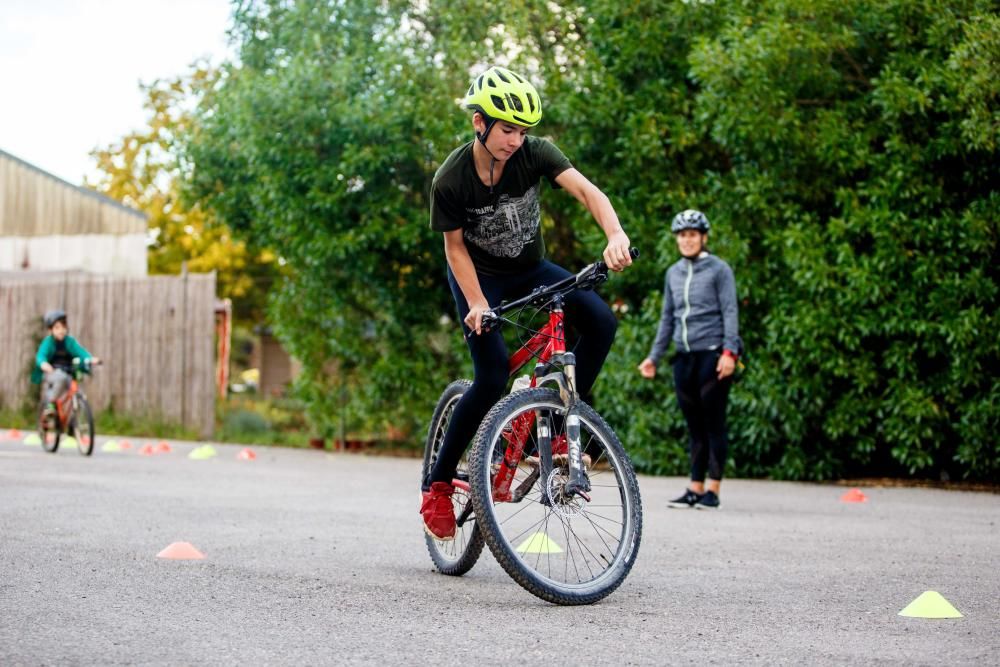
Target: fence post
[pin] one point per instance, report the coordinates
(184, 341)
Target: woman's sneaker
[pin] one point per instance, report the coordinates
(709, 501)
(686, 501)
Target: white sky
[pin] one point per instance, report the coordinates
(70, 70)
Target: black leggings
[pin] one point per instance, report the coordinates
(702, 398)
(586, 313)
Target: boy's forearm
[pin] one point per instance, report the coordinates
(604, 213)
(464, 271)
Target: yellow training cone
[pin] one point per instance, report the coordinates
(930, 605)
(539, 543)
(202, 453)
(70, 441)
(32, 439)
(111, 446)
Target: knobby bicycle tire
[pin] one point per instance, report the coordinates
(451, 557)
(500, 531)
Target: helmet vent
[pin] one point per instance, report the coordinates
(498, 102)
(501, 76)
(531, 102)
(515, 102)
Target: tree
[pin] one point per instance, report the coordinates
(142, 171)
(845, 152)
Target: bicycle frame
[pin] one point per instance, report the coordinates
(547, 345)
(64, 404)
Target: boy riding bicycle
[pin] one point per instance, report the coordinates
(484, 199)
(54, 361)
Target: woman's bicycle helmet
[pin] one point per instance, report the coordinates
(690, 219)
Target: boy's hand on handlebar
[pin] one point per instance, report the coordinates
(474, 320)
(616, 255)
(47, 367)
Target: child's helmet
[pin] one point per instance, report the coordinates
(503, 95)
(54, 316)
(689, 219)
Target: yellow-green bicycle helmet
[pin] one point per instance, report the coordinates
(500, 94)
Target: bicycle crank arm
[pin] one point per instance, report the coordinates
(524, 487)
(465, 514)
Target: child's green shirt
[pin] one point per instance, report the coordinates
(48, 350)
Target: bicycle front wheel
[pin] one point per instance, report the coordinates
(452, 557)
(564, 548)
(48, 432)
(82, 427)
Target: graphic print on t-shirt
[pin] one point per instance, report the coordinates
(504, 230)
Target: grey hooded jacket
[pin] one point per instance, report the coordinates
(699, 308)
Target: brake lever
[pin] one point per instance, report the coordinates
(486, 323)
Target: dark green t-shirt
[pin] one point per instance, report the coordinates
(502, 231)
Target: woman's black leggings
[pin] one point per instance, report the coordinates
(702, 398)
(586, 313)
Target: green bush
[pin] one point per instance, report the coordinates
(244, 421)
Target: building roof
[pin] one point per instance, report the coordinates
(34, 202)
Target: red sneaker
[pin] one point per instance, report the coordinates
(438, 513)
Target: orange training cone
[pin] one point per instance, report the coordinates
(181, 551)
(247, 454)
(854, 496)
(14, 434)
(147, 450)
(125, 444)
(163, 447)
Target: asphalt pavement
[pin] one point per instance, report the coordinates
(313, 558)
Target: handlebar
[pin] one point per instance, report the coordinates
(587, 278)
(85, 364)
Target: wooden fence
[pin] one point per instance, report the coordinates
(155, 334)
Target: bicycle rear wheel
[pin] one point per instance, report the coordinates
(452, 557)
(564, 549)
(82, 426)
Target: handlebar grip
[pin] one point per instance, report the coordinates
(602, 265)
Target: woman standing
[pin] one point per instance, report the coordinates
(700, 314)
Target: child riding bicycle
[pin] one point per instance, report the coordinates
(54, 361)
(485, 201)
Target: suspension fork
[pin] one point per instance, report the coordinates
(579, 483)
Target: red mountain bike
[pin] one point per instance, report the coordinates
(547, 485)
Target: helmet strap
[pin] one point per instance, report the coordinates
(490, 122)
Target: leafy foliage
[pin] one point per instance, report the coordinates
(845, 152)
(142, 171)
